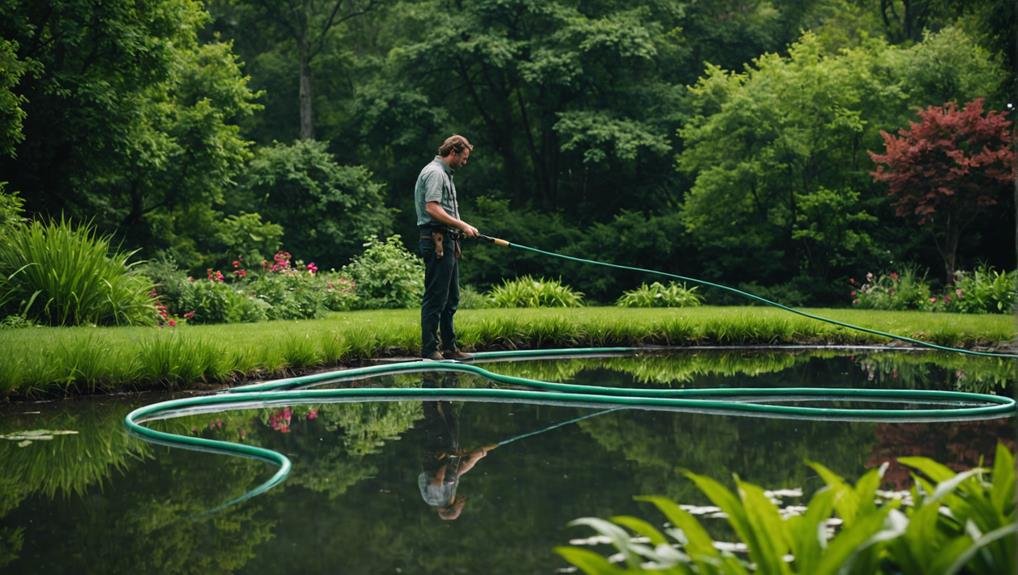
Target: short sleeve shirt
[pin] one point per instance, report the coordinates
(435, 184)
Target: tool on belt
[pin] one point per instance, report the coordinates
(438, 236)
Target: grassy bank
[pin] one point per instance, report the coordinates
(86, 360)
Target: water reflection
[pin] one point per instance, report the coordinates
(101, 502)
(443, 461)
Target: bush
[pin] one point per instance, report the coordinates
(387, 275)
(58, 274)
(657, 295)
(170, 282)
(893, 291)
(12, 212)
(212, 301)
(470, 298)
(983, 290)
(526, 291)
(291, 294)
(340, 291)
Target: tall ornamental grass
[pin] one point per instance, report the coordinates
(58, 274)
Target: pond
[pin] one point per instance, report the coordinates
(368, 494)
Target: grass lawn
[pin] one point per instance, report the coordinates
(89, 359)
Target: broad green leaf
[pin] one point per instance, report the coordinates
(641, 527)
(728, 503)
(587, 561)
(806, 532)
(846, 502)
(935, 471)
(1002, 492)
(768, 546)
(851, 540)
(618, 536)
(699, 542)
(964, 557)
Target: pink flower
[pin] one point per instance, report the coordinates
(894, 276)
(172, 323)
(236, 264)
(312, 415)
(312, 268)
(189, 315)
(853, 293)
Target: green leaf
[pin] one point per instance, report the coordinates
(769, 544)
(588, 561)
(806, 532)
(964, 557)
(618, 536)
(1002, 491)
(699, 542)
(641, 527)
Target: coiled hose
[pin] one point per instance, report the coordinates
(758, 402)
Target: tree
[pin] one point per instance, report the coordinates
(947, 169)
(326, 210)
(11, 112)
(777, 157)
(309, 25)
(129, 120)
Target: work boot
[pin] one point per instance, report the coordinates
(434, 356)
(457, 355)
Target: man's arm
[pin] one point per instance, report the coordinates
(435, 210)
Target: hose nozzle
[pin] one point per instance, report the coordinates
(496, 241)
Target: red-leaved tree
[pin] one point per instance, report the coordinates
(946, 169)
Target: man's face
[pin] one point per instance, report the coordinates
(459, 159)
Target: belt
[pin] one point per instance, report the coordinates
(427, 231)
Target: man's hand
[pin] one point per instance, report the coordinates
(469, 230)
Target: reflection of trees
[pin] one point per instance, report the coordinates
(659, 368)
(940, 371)
(330, 452)
(768, 452)
(958, 445)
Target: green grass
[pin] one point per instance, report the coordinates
(69, 360)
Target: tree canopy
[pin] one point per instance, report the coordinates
(726, 140)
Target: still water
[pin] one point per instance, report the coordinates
(371, 488)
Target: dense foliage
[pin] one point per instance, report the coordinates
(725, 140)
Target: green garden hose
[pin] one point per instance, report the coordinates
(756, 402)
(919, 342)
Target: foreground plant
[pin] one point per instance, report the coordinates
(958, 523)
(59, 274)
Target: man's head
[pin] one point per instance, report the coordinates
(455, 151)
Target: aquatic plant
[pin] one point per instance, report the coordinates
(950, 522)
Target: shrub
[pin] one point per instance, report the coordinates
(893, 291)
(58, 274)
(170, 282)
(247, 237)
(658, 295)
(959, 522)
(470, 298)
(526, 291)
(208, 301)
(387, 275)
(12, 212)
(291, 294)
(340, 291)
(983, 290)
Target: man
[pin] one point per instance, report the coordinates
(440, 226)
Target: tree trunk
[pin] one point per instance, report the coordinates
(307, 126)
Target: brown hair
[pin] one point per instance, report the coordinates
(454, 143)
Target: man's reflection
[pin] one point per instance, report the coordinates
(443, 461)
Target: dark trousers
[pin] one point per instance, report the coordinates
(441, 295)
